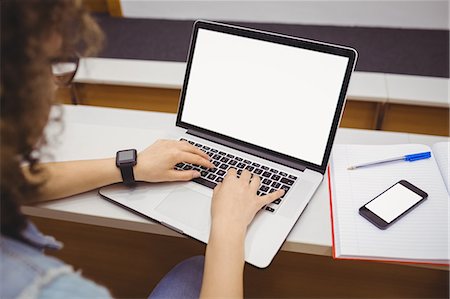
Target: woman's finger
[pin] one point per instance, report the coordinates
(195, 159)
(231, 173)
(255, 182)
(266, 199)
(245, 176)
(186, 146)
(182, 175)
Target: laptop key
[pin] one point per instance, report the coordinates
(273, 170)
(224, 160)
(266, 182)
(216, 163)
(282, 173)
(277, 201)
(249, 168)
(287, 181)
(230, 156)
(232, 162)
(276, 185)
(270, 209)
(241, 165)
(219, 179)
(286, 189)
(266, 174)
(198, 145)
(292, 177)
(223, 166)
(217, 157)
(255, 164)
(238, 159)
(206, 148)
(275, 177)
(221, 173)
(258, 171)
(205, 182)
(222, 153)
(203, 173)
(265, 167)
(187, 167)
(247, 162)
(264, 188)
(211, 176)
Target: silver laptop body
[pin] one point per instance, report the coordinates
(265, 101)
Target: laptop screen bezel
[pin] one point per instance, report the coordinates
(350, 53)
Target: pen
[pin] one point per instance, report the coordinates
(410, 158)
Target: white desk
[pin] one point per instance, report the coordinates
(92, 132)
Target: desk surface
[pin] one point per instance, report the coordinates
(93, 132)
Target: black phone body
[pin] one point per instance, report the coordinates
(392, 204)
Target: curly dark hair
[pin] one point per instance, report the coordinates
(27, 93)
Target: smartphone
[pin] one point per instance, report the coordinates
(392, 204)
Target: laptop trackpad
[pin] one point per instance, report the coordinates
(187, 207)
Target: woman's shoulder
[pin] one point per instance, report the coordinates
(75, 285)
(16, 254)
(27, 273)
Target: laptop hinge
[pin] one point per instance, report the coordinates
(249, 150)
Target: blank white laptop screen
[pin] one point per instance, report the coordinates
(275, 96)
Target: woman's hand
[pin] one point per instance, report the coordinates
(235, 202)
(156, 163)
(234, 205)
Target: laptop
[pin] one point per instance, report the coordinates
(254, 100)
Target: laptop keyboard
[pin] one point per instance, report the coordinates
(271, 179)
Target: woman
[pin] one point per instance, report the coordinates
(34, 35)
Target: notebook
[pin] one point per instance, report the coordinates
(253, 100)
(421, 236)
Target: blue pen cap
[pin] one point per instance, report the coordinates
(419, 156)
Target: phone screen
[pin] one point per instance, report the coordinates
(394, 202)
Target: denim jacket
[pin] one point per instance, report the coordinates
(26, 272)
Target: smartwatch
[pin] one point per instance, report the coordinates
(125, 161)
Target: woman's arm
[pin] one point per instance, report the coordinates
(235, 204)
(155, 164)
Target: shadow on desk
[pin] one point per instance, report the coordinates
(131, 263)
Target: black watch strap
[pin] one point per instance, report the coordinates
(125, 161)
(127, 174)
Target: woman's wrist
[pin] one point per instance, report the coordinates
(225, 230)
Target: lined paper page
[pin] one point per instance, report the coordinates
(441, 152)
(422, 234)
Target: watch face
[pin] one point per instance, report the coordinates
(126, 156)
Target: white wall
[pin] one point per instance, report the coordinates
(424, 14)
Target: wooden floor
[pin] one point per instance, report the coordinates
(131, 263)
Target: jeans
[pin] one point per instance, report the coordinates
(183, 281)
